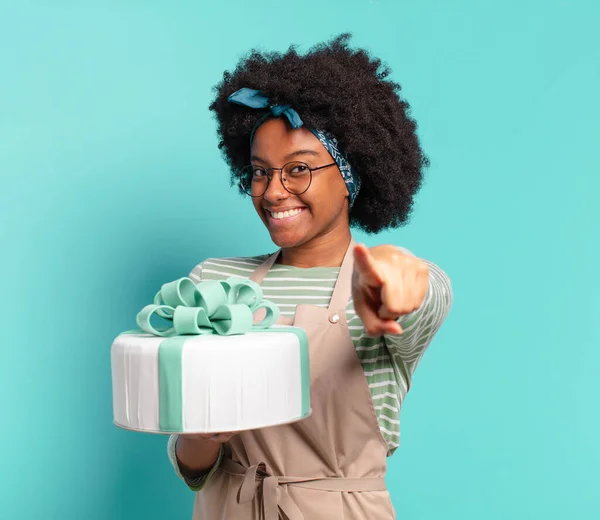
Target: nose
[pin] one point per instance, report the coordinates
(275, 190)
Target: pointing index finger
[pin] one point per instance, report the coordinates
(365, 264)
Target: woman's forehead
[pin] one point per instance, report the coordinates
(276, 140)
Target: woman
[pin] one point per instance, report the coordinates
(321, 142)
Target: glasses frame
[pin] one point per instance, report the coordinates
(269, 177)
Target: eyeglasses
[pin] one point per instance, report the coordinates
(295, 177)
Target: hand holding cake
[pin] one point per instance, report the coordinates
(197, 453)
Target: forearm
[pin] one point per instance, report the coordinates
(420, 326)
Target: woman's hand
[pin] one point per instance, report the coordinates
(386, 284)
(197, 453)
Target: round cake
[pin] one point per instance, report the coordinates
(215, 369)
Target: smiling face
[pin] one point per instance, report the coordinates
(296, 220)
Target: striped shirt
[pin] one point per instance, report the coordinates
(388, 361)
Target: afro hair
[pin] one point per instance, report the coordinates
(348, 93)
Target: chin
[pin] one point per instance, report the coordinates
(287, 240)
(284, 242)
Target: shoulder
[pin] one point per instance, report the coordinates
(220, 268)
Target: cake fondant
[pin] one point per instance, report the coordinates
(214, 369)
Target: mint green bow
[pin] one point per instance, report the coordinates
(256, 99)
(224, 307)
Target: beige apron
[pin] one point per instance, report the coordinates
(329, 466)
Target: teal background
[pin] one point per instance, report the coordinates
(111, 184)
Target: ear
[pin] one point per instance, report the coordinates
(346, 191)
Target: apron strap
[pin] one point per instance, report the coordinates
(261, 271)
(343, 286)
(341, 291)
(276, 500)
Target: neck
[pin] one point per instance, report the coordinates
(327, 250)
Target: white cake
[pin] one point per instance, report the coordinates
(216, 379)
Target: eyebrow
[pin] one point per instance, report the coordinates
(289, 156)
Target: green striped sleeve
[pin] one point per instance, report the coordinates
(389, 361)
(420, 326)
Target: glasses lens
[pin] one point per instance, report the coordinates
(253, 180)
(296, 177)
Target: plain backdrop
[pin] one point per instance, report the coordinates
(111, 184)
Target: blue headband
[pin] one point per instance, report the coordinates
(256, 99)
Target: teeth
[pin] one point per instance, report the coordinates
(284, 214)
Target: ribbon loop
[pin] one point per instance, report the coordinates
(232, 319)
(191, 320)
(256, 99)
(247, 489)
(271, 315)
(249, 97)
(224, 307)
(144, 316)
(243, 291)
(179, 292)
